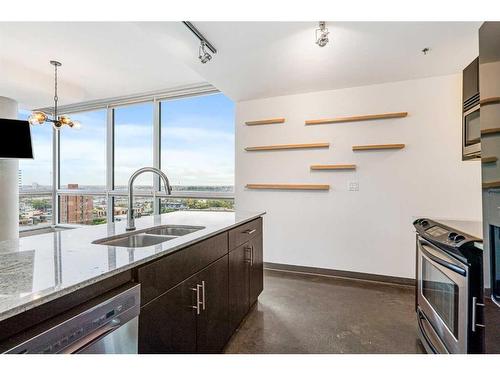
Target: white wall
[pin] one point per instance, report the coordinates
(9, 189)
(369, 230)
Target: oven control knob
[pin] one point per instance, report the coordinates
(424, 223)
(459, 238)
(452, 235)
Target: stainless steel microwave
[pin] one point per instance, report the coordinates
(471, 128)
(471, 133)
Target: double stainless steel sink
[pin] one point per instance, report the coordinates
(148, 237)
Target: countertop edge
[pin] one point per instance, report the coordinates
(70, 289)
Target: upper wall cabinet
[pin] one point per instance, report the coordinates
(470, 83)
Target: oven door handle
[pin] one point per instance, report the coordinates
(420, 319)
(442, 262)
(422, 329)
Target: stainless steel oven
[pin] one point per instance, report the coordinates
(448, 289)
(471, 137)
(442, 295)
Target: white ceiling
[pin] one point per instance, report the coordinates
(100, 60)
(255, 59)
(261, 59)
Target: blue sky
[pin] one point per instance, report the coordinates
(197, 144)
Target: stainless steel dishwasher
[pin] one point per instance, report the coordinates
(106, 324)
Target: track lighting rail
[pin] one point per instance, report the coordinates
(200, 36)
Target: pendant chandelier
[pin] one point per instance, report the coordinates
(39, 117)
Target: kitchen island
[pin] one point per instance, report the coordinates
(45, 275)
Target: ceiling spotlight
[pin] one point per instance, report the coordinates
(322, 34)
(203, 55)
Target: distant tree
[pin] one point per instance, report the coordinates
(40, 204)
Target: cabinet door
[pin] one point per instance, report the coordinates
(212, 322)
(168, 323)
(256, 269)
(239, 264)
(470, 80)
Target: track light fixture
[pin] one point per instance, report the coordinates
(203, 54)
(322, 34)
(38, 117)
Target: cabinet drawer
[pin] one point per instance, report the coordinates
(244, 233)
(161, 275)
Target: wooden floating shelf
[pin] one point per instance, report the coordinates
(489, 160)
(379, 147)
(288, 186)
(288, 147)
(332, 167)
(491, 185)
(266, 122)
(492, 100)
(357, 118)
(490, 131)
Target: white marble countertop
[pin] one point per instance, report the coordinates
(41, 268)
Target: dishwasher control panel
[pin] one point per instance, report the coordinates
(82, 328)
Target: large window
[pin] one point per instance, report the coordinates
(83, 167)
(133, 144)
(83, 152)
(197, 143)
(35, 179)
(194, 139)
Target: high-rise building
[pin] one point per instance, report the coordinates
(20, 178)
(76, 209)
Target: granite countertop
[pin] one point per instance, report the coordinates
(41, 268)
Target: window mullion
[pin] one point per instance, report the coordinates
(156, 153)
(110, 162)
(56, 166)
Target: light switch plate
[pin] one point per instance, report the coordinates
(353, 186)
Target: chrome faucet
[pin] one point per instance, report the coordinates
(130, 212)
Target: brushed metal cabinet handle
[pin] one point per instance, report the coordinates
(248, 250)
(474, 314)
(197, 306)
(250, 231)
(203, 295)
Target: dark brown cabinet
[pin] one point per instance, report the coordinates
(168, 324)
(212, 329)
(246, 268)
(192, 317)
(194, 299)
(163, 274)
(256, 269)
(239, 286)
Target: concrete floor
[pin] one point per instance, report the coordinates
(300, 313)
